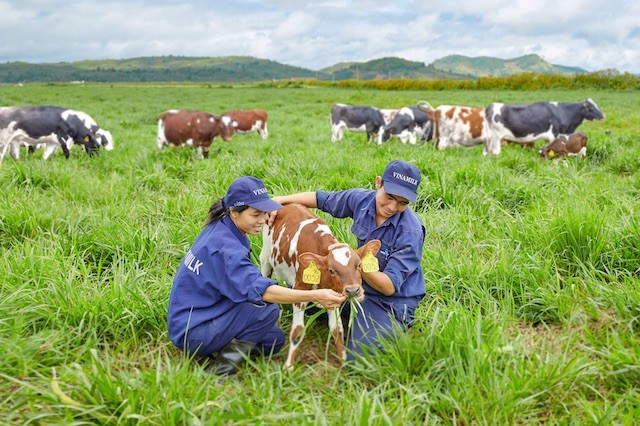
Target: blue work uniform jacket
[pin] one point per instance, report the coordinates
(215, 275)
(402, 237)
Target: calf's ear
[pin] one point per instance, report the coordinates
(306, 258)
(373, 246)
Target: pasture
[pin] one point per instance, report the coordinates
(532, 269)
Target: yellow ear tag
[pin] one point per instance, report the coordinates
(370, 263)
(311, 274)
(87, 138)
(551, 153)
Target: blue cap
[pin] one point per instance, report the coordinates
(402, 179)
(249, 191)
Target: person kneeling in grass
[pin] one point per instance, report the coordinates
(393, 281)
(220, 306)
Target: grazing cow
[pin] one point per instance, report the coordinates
(192, 128)
(409, 123)
(574, 144)
(300, 248)
(541, 120)
(355, 119)
(50, 126)
(456, 125)
(103, 137)
(247, 121)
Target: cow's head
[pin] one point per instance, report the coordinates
(386, 134)
(79, 133)
(590, 111)
(226, 127)
(341, 269)
(105, 139)
(89, 143)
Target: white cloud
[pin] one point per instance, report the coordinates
(296, 25)
(593, 34)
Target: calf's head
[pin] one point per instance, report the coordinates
(339, 270)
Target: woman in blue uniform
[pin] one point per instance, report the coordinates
(394, 285)
(220, 305)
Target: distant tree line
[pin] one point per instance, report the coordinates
(55, 74)
(605, 79)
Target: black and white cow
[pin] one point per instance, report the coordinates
(530, 122)
(50, 126)
(408, 124)
(356, 119)
(103, 137)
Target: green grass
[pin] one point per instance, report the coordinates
(532, 269)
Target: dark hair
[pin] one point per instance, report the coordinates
(218, 211)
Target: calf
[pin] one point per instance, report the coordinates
(247, 121)
(355, 119)
(574, 144)
(409, 123)
(50, 126)
(456, 125)
(192, 128)
(300, 248)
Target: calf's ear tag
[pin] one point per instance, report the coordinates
(311, 274)
(87, 138)
(551, 153)
(370, 263)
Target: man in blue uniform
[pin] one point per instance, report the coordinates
(220, 305)
(395, 286)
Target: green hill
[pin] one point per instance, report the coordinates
(156, 69)
(229, 69)
(386, 68)
(482, 66)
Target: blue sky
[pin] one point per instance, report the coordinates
(592, 34)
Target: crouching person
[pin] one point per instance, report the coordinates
(220, 306)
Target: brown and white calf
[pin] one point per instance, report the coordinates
(293, 247)
(192, 128)
(247, 121)
(574, 144)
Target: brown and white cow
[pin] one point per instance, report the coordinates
(247, 121)
(574, 144)
(456, 125)
(301, 250)
(192, 128)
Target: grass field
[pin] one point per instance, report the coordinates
(532, 269)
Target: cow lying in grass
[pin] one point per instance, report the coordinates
(301, 249)
(573, 145)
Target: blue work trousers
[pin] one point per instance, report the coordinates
(246, 322)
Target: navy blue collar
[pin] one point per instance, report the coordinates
(234, 229)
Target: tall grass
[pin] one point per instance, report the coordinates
(531, 266)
